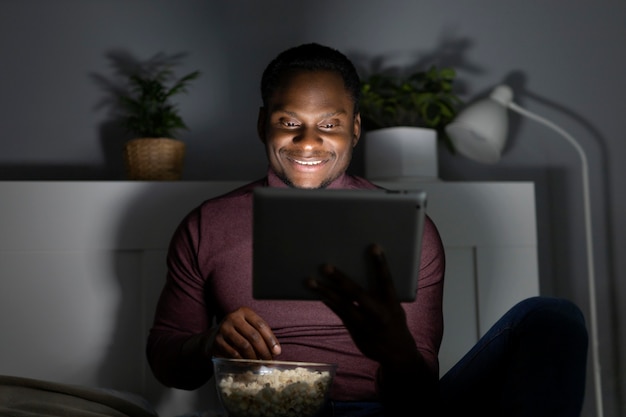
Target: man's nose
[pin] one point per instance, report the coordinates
(308, 137)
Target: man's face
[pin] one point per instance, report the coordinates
(309, 129)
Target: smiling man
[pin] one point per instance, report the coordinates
(309, 123)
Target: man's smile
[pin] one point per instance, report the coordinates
(307, 163)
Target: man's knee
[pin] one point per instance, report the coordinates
(556, 318)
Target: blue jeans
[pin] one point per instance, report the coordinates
(531, 363)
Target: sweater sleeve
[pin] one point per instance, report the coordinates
(181, 313)
(425, 314)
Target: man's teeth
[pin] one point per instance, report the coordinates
(307, 162)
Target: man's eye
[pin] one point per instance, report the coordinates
(290, 124)
(328, 125)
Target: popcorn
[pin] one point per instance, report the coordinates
(295, 392)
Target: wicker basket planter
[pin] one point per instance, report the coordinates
(154, 159)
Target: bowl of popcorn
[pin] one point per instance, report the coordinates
(258, 388)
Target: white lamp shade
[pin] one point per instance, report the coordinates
(479, 131)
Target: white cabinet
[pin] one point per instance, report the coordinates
(82, 264)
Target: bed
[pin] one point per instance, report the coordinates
(27, 397)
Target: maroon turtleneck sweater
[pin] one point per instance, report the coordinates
(210, 274)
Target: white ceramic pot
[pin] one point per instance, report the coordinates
(401, 153)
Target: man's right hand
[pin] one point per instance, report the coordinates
(243, 334)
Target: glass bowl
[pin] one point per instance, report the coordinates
(258, 388)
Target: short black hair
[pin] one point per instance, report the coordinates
(310, 57)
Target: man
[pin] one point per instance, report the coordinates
(386, 351)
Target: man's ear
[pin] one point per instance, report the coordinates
(356, 129)
(260, 123)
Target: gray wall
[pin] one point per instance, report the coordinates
(565, 61)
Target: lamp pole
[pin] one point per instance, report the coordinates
(590, 257)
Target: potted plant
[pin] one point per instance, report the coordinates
(147, 111)
(420, 104)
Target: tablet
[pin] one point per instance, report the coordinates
(296, 230)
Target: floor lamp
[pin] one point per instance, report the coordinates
(479, 133)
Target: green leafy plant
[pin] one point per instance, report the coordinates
(423, 99)
(147, 109)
